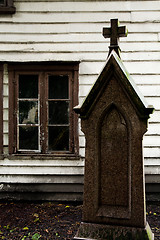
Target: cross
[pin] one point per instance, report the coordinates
(114, 32)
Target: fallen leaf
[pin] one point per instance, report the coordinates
(36, 236)
(25, 228)
(69, 232)
(23, 237)
(36, 220)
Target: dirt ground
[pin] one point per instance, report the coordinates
(51, 221)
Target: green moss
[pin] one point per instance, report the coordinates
(149, 233)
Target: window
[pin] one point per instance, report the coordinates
(42, 98)
(6, 6)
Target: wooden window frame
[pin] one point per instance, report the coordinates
(1, 109)
(7, 7)
(43, 69)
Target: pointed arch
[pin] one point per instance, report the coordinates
(113, 158)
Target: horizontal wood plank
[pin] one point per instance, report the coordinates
(84, 5)
(34, 170)
(50, 179)
(55, 37)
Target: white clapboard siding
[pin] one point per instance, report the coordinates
(82, 141)
(155, 102)
(132, 67)
(140, 56)
(52, 56)
(72, 31)
(150, 90)
(87, 79)
(151, 67)
(5, 139)
(81, 6)
(151, 140)
(58, 162)
(79, 46)
(154, 117)
(53, 37)
(144, 79)
(154, 162)
(13, 37)
(147, 16)
(31, 55)
(5, 90)
(94, 6)
(72, 27)
(151, 152)
(92, 67)
(84, 90)
(42, 169)
(5, 126)
(76, 47)
(5, 102)
(68, 17)
(5, 114)
(30, 178)
(153, 128)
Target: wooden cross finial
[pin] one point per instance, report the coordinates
(114, 32)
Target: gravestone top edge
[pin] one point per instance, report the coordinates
(114, 67)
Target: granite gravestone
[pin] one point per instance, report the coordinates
(114, 119)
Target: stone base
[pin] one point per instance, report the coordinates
(90, 231)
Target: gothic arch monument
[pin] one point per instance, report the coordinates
(114, 119)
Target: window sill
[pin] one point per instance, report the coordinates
(7, 10)
(42, 157)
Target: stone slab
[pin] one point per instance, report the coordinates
(114, 120)
(91, 231)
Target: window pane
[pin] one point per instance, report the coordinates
(58, 87)
(28, 112)
(28, 86)
(58, 138)
(58, 112)
(28, 138)
(2, 2)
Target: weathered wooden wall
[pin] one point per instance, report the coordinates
(72, 31)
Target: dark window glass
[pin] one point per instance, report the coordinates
(59, 138)
(7, 7)
(42, 119)
(2, 2)
(58, 112)
(28, 86)
(28, 138)
(28, 112)
(58, 87)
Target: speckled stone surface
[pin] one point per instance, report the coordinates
(105, 232)
(114, 120)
